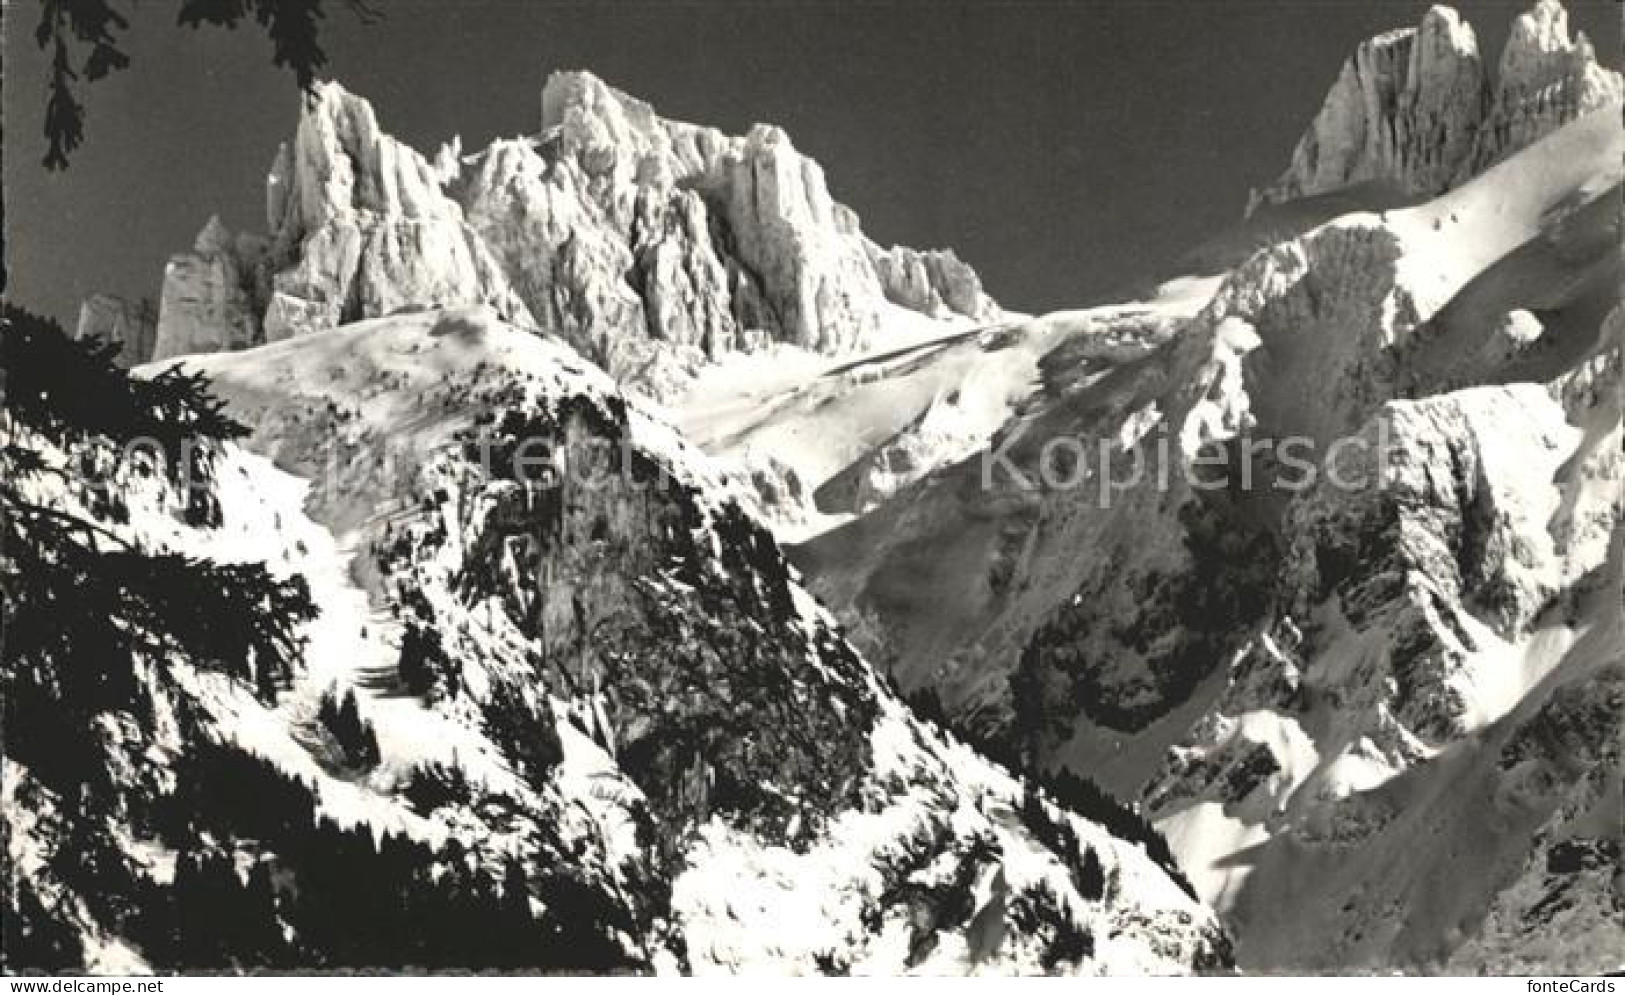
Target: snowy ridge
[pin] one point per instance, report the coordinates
(899, 848)
(1340, 726)
(652, 246)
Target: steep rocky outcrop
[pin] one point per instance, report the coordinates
(804, 247)
(1405, 109)
(936, 282)
(361, 228)
(132, 326)
(1545, 79)
(1418, 110)
(1566, 904)
(652, 246)
(601, 726)
(209, 298)
(1309, 686)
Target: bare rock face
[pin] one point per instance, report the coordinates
(934, 282)
(133, 325)
(1546, 79)
(361, 227)
(1567, 903)
(805, 247)
(685, 285)
(652, 246)
(1404, 109)
(208, 295)
(626, 698)
(611, 134)
(745, 230)
(1418, 109)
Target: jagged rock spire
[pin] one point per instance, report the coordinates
(649, 244)
(1545, 79)
(1418, 109)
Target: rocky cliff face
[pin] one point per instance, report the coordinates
(1545, 79)
(650, 245)
(361, 228)
(935, 283)
(132, 326)
(1314, 690)
(1419, 110)
(589, 719)
(208, 303)
(1566, 900)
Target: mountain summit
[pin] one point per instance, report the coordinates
(1419, 110)
(653, 246)
(1380, 724)
(594, 553)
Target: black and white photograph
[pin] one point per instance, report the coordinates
(873, 488)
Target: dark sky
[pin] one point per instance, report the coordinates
(1063, 148)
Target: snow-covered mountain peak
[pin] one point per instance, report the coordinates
(1282, 674)
(1538, 33)
(1416, 111)
(653, 246)
(588, 116)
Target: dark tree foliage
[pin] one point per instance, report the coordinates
(357, 742)
(213, 917)
(70, 391)
(81, 606)
(83, 38)
(31, 938)
(1099, 806)
(321, 895)
(424, 667)
(1090, 875)
(264, 880)
(1041, 700)
(79, 616)
(231, 793)
(1038, 910)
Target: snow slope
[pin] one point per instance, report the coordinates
(1323, 749)
(853, 433)
(639, 712)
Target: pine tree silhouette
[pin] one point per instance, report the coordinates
(353, 733)
(83, 37)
